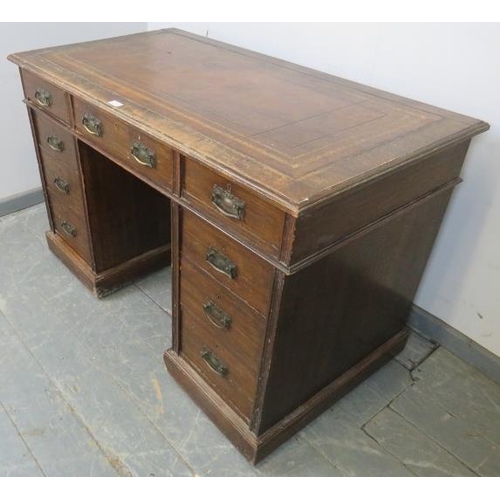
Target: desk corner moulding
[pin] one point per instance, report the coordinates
(297, 209)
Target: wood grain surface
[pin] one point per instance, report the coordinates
(295, 135)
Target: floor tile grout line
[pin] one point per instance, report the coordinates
(304, 438)
(365, 423)
(361, 427)
(364, 431)
(128, 395)
(320, 452)
(152, 299)
(35, 459)
(437, 443)
(132, 399)
(434, 349)
(61, 395)
(74, 413)
(447, 410)
(387, 405)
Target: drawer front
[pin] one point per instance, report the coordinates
(55, 139)
(62, 181)
(46, 96)
(143, 155)
(221, 337)
(71, 226)
(234, 207)
(226, 260)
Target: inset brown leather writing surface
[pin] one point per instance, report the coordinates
(296, 135)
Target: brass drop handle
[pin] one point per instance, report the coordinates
(68, 228)
(213, 362)
(217, 316)
(221, 263)
(143, 155)
(62, 185)
(227, 203)
(43, 97)
(55, 143)
(92, 124)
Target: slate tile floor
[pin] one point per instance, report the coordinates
(84, 392)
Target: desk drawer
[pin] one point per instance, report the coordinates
(141, 154)
(55, 139)
(227, 261)
(234, 207)
(46, 96)
(62, 181)
(71, 226)
(221, 336)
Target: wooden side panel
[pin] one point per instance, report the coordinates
(126, 216)
(359, 207)
(340, 309)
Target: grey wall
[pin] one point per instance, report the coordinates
(18, 167)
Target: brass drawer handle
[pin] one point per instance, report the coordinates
(213, 362)
(217, 316)
(68, 228)
(92, 124)
(143, 155)
(43, 97)
(227, 203)
(221, 263)
(55, 143)
(62, 185)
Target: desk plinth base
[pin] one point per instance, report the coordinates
(110, 280)
(254, 447)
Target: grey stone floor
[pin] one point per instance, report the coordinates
(84, 392)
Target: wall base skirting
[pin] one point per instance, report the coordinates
(456, 342)
(20, 201)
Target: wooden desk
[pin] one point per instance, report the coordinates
(299, 210)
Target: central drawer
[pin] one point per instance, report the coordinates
(221, 337)
(144, 156)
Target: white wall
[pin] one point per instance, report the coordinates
(18, 166)
(453, 66)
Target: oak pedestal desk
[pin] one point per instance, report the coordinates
(298, 211)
